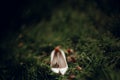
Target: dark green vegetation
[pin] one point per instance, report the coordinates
(91, 28)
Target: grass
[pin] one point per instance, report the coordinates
(97, 50)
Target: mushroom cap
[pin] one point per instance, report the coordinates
(57, 49)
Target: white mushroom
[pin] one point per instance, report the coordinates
(58, 61)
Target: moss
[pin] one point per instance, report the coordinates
(96, 47)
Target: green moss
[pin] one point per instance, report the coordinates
(97, 50)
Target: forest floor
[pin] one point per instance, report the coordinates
(96, 49)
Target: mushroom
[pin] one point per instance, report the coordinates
(58, 61)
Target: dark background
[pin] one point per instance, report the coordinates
(13, 12)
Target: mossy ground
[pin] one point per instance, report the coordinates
(85, 31)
